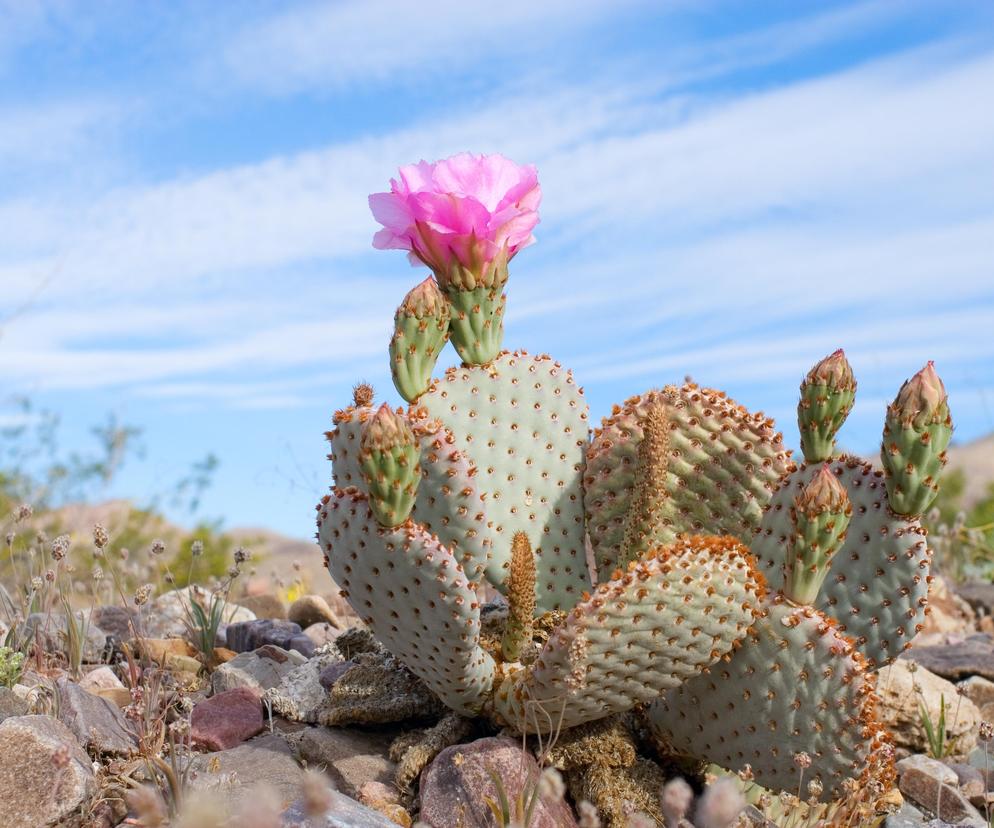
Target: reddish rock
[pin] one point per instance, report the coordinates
(227, 719)
(455, 786)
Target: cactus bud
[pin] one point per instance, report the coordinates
(827, 395)
(917, 431)
(389, 455)
(520, 598)
(820, 515)
(421, 327)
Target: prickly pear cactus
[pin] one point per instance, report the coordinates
(413, 594)
(741, 599)
(796, 685)
(668, 617)
(523, 422)
(723, 465)
(877, 584)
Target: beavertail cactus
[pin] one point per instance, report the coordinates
(673, 560)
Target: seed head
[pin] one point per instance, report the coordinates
(986, 732)
(143, 593)
(158, 546)
(196, 549)
(100, 537)
(60, 547)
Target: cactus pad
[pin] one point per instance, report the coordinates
(877, 585)
(412, 593)
(448, 502)
(523, 422)
(724, 464)
(668, 617)
(796, 685)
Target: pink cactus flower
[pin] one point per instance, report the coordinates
(470, 210)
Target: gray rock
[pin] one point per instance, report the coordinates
(908, 816)
(455, 785)
(259, 670)
(11, 704)
(44, 775)
(299, 696)
(972, 657)
(248, 635)
(51, 631)
(349, 756)
(101, 678)
(96, 723)
(970, 780)
(926, 764)
(344, 813)
(233, 773)
(119, 623)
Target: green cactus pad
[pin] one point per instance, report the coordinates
(724, 464)
(390, 459)
(523, 422)
(412, 593)
(668, 617)
(448, 503)
(827, 395)
(796, 685)
(877, 586)
(420, 331)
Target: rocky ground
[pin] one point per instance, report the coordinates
(149, 732)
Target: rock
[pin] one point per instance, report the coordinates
(167, 613)
(344, 813)
(233, 773)
(118, 696)
(322, 633)
(258, 671)
(942, 799)
(455, 785)
(266, 605)
(44, 775)
(299, 696)
(102, 678)
(249, 635)
(311, 609)
(222, 655)
(349, 756)
(11, 704)
(226, 720)
(97, 723)
(117, 622)
(926, 764)
(183, 664)
(979, 595)
(948, 612)
(908, 816)
(972, 657)
(900, 709)
(51, 632)
(981, 692)
(159, 649)
(970, 780)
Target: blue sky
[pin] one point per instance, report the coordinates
(731, 190)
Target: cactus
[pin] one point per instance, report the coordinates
(827, 395)
(523, 422)
(916, 432)
(421, 328)
(877, 582)
(738, 601)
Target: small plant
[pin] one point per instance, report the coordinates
(11, 666)
(936, 734)
(512, 814)
(202, 623)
